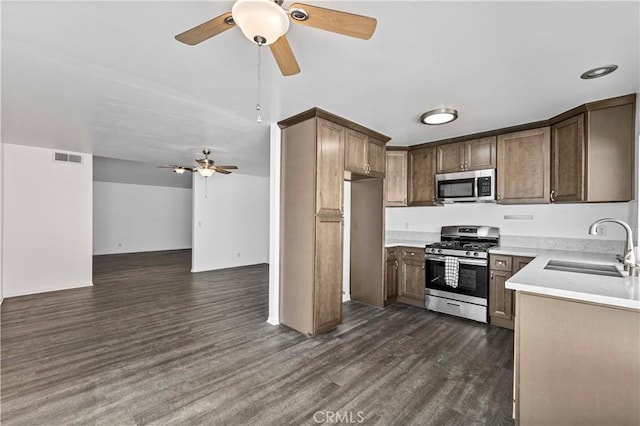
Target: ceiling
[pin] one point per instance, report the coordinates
(108, 78)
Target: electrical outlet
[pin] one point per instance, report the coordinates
(238, 254)
(406, 225)
(602, 230)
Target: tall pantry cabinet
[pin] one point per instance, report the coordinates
(311, 219)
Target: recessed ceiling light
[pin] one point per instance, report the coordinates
(439, 116)
(598, 72)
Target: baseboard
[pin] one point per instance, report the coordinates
(48, 290)
(218, 268)
(273, 321)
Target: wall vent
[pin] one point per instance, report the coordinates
(67, 158)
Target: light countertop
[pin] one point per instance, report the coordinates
(613, 291)
(405, 243)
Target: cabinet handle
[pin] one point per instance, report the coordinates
(491, 275)
(499, 197)
(453, 304)
(552, 196)
(423, 266)
(405, 200)
(461, 166)
(395, 264)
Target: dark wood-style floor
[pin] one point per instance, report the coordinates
(152, 343)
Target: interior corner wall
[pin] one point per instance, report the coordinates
(130, 218)
(230, 221)
(46, 222)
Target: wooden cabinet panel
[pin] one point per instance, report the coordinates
(611, 153)
(412, 253)
(412, 280)
(330, 168)
(450, 157)
(520, 262)
(356, 150)
(422, 166)
(328, 273)
(500, 298)
(376, 158)
(396, 178)
(480, 154)
(567, 160)
(523, 175)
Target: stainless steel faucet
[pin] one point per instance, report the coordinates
(629, 257)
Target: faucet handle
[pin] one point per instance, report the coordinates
(620, 258)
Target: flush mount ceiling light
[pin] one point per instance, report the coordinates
(598, 72)
(439, 116)
(261, 21)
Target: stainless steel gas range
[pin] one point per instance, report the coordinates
(463, 290)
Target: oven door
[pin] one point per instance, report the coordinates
(473, 276)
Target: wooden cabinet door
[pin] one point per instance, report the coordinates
(391, 281)
(356, 150)
(329, 168)
(568, 160)
(480, 154)
(450, 158)
(500, 298)
(396, 179)
(422, 166)
(523, 173)
(328, 273)
(412, 280)
(520, 262)
(376, 158)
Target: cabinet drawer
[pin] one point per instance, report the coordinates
(500, 263)
(412, 253)
(392, 252)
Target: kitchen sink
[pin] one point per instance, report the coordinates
(584, 268)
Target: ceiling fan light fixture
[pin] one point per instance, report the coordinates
(439, 116)
(260, 20)
(179, 170)
(598, 72)
(205, 172)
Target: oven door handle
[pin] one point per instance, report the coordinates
(462, 261)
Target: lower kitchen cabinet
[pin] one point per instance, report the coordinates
(411, 276)
(404, 279)
(502, 304)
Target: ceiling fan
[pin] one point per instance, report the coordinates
(206, 167)
(266, 22)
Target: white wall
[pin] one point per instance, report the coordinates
(1, 213)
(131, 218)
(230, 223)
(275, 137)
(47, 222)
(346, 254)
(555, 220)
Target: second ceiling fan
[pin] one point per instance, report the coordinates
(265, 22)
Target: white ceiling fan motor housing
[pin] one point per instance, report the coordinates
(260, 20)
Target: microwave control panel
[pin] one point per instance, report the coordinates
(484, 186)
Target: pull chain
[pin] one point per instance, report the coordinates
(258, 106)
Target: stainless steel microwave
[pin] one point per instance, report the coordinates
(474, 186)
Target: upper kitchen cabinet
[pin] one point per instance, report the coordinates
(396, 178)
(475, 154)
(592, 152)
(422, 167)
(364, 155)
(523, 169)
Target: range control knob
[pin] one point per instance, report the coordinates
(439, 251)
(475, 254)
(467, 254)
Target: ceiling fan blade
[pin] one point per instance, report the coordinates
(227, 167)
(223, 171)
(205, 31)
(335, 21)
(284, 56)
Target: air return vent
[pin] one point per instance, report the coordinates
(67, 158)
